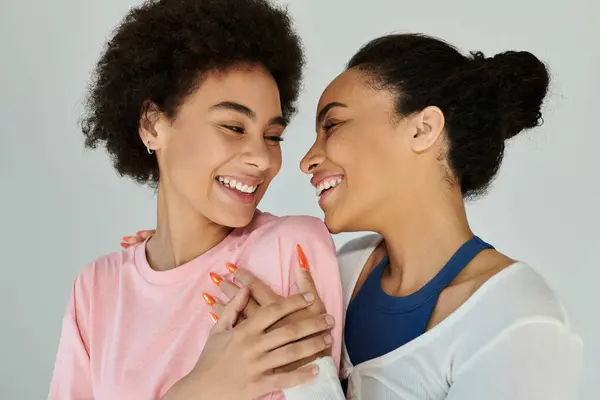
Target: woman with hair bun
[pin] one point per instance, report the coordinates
(405, 134)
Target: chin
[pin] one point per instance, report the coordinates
(233, 219)
(334, 224)
(343, 222)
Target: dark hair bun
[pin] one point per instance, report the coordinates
(522, 80)
(484, 100)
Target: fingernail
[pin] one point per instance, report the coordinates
(211, 301)
(330, 320)
(140, 233)
(328, 339)
(126, 239)
(302, 261)
(232, 267)
(216, 278)
(314, 370)
(309, 297)
(213, 316)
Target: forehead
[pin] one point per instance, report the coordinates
(353, 89)
(253, 87)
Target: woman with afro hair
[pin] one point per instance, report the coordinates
(192, 97)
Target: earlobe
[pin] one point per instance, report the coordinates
(429, 126)
(148, 133)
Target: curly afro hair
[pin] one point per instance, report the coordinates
(160, 52)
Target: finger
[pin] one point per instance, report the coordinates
(261, 292)
(145, 234)
(304, 279)
(232, 311)
(230, 290)
(217, 305)
(218, 308)
(280, 381)
(125, 245)
(131, 240)
(293, 352)
(295, 331)
(268, 315)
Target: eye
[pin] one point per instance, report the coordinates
(274, 139)
(233, 128)
(328, 126)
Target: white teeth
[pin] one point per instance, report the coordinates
(327, 185)
(233, 184)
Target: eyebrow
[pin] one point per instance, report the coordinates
(326, 109)
(242, 109)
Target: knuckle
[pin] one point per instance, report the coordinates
(278, 309)
(273, 382)
(289, 329)
(296, 350)
(315, 345)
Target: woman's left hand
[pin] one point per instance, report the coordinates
(262, 296)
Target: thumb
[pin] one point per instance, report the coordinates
(232, 311)
(304, 279)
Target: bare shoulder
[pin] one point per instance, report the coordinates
(487, 264)
(497, 282)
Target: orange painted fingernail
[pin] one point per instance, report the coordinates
(213, 316)
(125, 245)
(216, 278)
(232, 267)
(211, 301)
(302, 261)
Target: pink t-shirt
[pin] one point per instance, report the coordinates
(131, 332)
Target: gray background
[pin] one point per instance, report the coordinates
(61, 207)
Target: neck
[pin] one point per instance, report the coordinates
(182, 233)
(421, 240)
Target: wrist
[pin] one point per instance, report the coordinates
(183, 390)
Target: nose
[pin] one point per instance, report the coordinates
(257, 154)
(313, 158)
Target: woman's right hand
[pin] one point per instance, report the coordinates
(238, 361)
(139, 237)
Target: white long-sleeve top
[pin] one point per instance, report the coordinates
(511, 340)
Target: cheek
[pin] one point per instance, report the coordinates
(352, 150)
(276, 157)
(367, 161)
(193, 157)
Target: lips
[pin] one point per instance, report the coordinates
(326, 184)
(325, 181)
(242, 187)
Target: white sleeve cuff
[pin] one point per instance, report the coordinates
(325, 386)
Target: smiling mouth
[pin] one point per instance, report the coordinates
(327, 185)
(236, 185)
